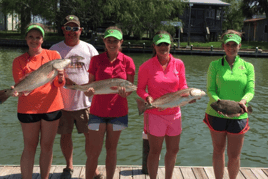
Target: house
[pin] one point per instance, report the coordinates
(205, 21)
(256, 29)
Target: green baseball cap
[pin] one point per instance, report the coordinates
(160, 38)
(113, 33)
(35, 27)
(232, 37)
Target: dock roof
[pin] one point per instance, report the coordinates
(208, 2)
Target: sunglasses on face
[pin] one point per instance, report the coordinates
(163, 43)
(68, 28)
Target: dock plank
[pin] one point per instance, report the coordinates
(200, 173)
(259, 173)
(177, 173)
(247, 173)
(135, 172)
(210, 172)
(187, 172)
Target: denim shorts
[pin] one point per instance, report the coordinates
(31, 118)
(232, 126)
(119, 123)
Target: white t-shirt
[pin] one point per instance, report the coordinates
(77, 71)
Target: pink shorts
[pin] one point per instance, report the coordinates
(162, 125)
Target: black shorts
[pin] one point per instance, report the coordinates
(232, 126)
(31, 118)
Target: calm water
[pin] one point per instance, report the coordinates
(195, 145)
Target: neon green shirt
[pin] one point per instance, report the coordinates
(233, 84)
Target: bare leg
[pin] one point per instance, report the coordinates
(87, 148)
(112, 138)
(172, 144)
(31, 137)
(94, 146)
(234, 147)
(66, 145)
(48, 133)
(219, 142)
(155, 144)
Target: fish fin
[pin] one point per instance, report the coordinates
(3, 96)
(141, 105)
(26, 93)
(250, 110)
(51, 74)
(114, 87)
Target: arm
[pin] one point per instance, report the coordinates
(250, 88)
(90, 91)
(211, 82)
(182, 83)
(59, 81)
(142, 82)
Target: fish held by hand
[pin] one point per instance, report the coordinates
(44, 74)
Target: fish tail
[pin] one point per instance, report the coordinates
(3, 96)
(250, 110)
(141, 106)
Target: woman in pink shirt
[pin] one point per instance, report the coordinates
(108, 112)
(160, 75)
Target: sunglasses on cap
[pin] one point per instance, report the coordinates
(166, 44)
(68, 28)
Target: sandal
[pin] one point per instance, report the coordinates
(99, 176)
(67, 173)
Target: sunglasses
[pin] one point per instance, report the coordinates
(166, 44)
(68, 28)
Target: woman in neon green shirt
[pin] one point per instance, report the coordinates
(229, 78)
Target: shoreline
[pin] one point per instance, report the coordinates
(144, 49)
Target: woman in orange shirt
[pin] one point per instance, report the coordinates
(39, 111)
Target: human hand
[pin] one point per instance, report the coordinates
(149, 100)
(15, 93)
(122, 92)
(60, 75)
(242, 103)
(89, 92)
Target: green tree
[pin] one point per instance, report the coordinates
(233, 16)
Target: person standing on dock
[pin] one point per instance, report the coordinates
(229, 78)
(108, 112)
(38, 111)
(160, 75)
(76, 103)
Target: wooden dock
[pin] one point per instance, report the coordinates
(134, 172)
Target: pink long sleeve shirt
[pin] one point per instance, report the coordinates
(159, 82)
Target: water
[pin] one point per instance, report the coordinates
(195, 145)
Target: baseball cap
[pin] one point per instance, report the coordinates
(232, 37)
(160, 38)
(71, 18)
(36, 27)
(113, 33)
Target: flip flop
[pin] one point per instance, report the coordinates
(67, 173)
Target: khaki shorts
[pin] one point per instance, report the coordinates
(69, 118)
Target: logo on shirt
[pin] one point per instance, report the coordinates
(76, 62)
(241, 67)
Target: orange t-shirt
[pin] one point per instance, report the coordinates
(44, 99)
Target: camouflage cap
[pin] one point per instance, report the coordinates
(71, 18)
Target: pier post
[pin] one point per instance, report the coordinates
(143, 47)
(211, 48)
(128, 47)
(191, 47)
(257, 49)
(145, 152)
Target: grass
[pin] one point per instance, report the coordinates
(53, 37)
